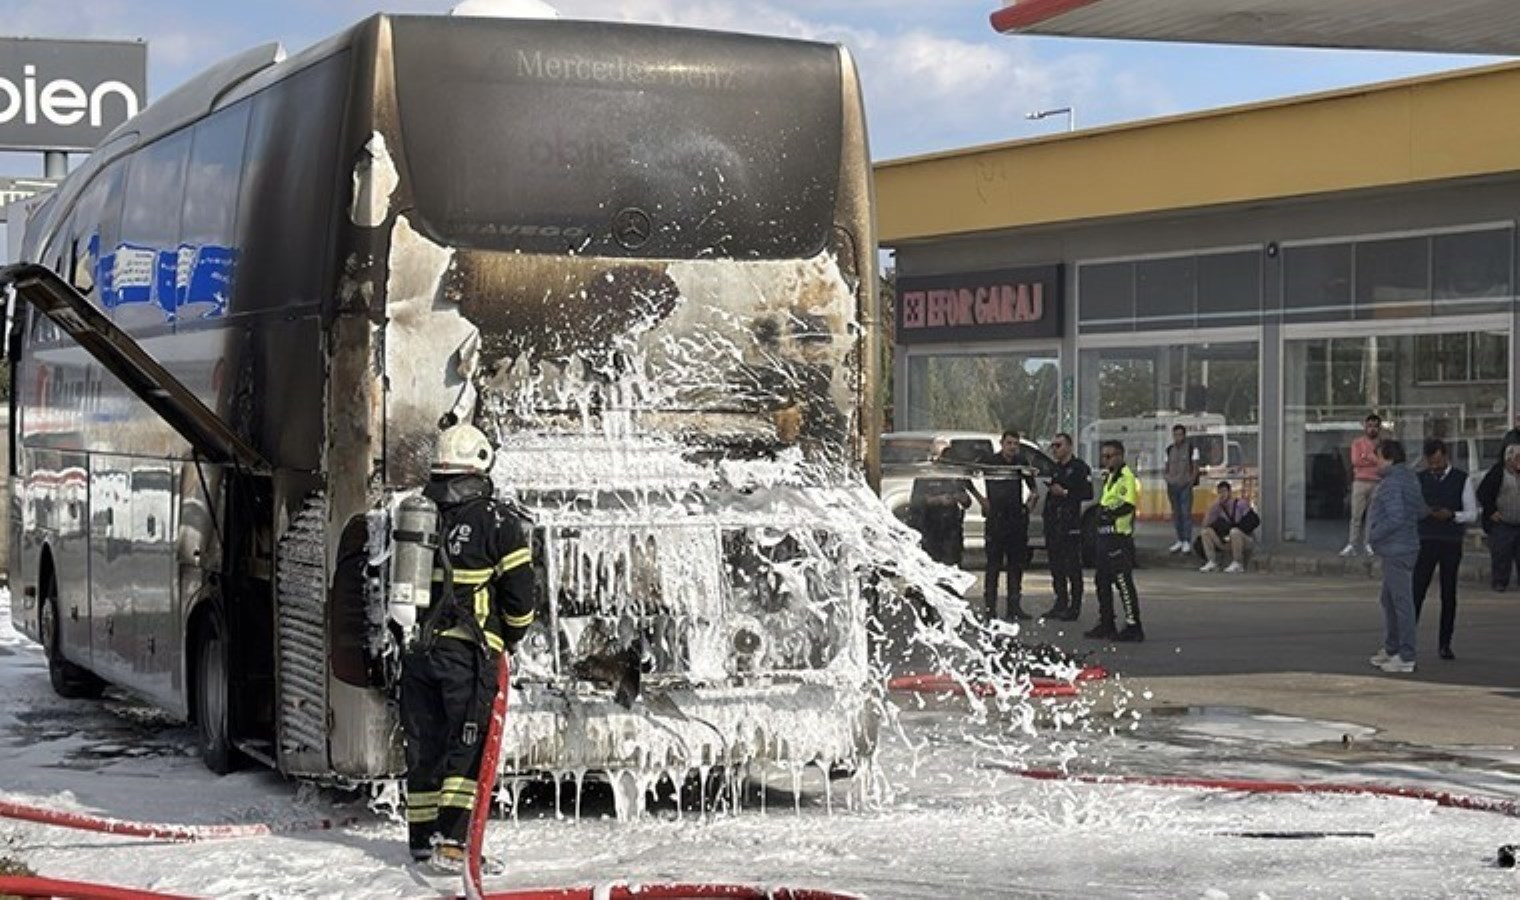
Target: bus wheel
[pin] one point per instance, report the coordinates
(212, 698)
(69, 680)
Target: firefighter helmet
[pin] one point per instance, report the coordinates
(463, 449)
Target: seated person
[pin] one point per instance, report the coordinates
(1229, 523)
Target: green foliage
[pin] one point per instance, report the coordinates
(989, 393)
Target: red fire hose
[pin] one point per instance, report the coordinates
(1250, 786)
(485, 787)
(178, 833)
(671, 892)
(30, 886)
(945, 683)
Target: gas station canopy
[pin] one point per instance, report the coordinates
(1444, 26)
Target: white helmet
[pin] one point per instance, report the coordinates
(463, 449)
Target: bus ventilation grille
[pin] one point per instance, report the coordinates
(301, 579)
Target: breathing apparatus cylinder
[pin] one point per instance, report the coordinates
(414, 545)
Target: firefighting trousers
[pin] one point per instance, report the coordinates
(1116, 553)
(446, 697)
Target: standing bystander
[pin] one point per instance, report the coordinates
(1511, 438)
(1010, 496)
(1449, 494)
(1364, 480)
(1181, 478)
(937, 510)
(1116, 548)
(1070, 486)
(1393, 517)
(1499, 495)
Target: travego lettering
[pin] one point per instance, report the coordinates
(573, 232)
(1000, 304)
(62, 101)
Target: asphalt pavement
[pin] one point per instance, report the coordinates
(1299, 646)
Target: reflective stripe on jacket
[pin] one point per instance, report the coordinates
(487, 546)
(1122, 488)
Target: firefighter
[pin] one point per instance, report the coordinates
(448, 681)
(1116, 548)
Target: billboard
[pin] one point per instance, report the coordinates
(68, 95)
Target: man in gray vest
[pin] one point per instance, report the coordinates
(1453, 506)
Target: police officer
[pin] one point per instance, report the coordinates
(1116, 548)
(937, 510)
(1070, 485)
(1010, 497)
(481, 604)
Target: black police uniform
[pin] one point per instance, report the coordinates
(1007, 532)
(937, 509)
(448, 680)
(1063, 536)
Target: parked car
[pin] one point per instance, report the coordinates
(909, 455)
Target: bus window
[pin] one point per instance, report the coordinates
(285, 212)
(207, 252)
(146, 259)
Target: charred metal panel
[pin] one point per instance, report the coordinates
(363, 728)
(726, 354)
(618, 141)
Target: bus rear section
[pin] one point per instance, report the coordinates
(641, 259)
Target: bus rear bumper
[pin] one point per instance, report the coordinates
(685, 728)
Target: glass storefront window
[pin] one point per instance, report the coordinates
(1136, 395)
(1166, 293)
(1452, 385)
(985, 392)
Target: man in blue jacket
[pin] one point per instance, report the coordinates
(1393, 530)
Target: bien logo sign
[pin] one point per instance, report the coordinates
(68, 95)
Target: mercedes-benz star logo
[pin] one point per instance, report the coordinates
(631, 228)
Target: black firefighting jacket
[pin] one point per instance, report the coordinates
(487, 547)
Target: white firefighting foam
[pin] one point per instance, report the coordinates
(698, 506)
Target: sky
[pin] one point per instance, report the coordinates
(936, 76)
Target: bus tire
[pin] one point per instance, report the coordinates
(212, 697)
(69, 681)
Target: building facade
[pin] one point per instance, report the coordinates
(1265, 275)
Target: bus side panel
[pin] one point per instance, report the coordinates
(365, 727)
(157, 650)
(858, 259)
(113, 578)
(58, 493)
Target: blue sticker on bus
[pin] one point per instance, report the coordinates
(205, 274)
(132, 268)
(165, 272)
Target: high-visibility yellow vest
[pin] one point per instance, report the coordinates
(1118, 489)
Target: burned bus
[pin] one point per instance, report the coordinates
(640, 258)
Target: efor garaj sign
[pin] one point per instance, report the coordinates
(1006, 304)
